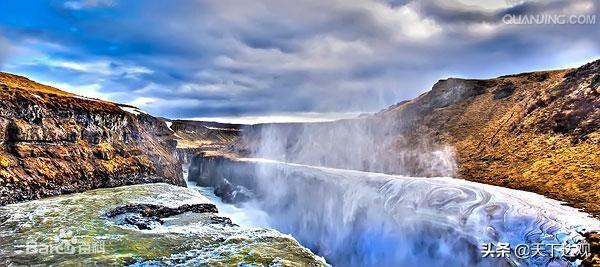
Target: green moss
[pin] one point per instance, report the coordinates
(81, 216)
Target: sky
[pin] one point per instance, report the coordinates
(282, 60)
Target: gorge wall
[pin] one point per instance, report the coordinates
(193, 137)
(53, 142)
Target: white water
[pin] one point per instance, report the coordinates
(244, 215)
(355, 218)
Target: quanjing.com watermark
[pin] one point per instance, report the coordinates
(526, 251)
(65, 243)
(549, 19)
(545, 18)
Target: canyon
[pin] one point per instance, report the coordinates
(438, 173)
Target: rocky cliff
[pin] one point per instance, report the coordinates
(53, 142)
(537, 131)
(189, 138)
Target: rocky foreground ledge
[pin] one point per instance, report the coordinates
(90, 229)
(53, 142)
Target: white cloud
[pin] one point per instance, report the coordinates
(281, 118)
(143, 101)
(320, 53)
(580, 7)
(87, 90)
(488, 5)
(104, 68)
(99, 67)
(484, 29)
(85, 4)
(404, 22)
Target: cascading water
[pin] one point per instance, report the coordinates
(355, 218)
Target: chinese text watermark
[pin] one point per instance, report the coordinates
(525, 251)
(65, 246)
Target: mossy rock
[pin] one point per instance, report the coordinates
(188, 237)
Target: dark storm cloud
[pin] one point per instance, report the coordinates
(219, 58)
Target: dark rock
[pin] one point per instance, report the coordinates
(148, 216)
(222, 221)
(151, 210)
(593, 239)
(451, 91)
(142, 223)
(504, 90)
(230, 193)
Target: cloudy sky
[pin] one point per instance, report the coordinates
(281, 59)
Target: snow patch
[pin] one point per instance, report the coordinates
(169, 124)
(221, 129)
(84, 98)
(132, 110)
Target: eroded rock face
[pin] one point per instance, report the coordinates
(230, 178)
(53, 142)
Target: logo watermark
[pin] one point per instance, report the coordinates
(525, 251)
(65, 243)
(549, 19)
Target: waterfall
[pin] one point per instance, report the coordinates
(355, 218)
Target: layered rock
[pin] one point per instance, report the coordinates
(187, 138)
(53, 142)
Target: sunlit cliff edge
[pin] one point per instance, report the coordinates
(53, 142)
(538, 131)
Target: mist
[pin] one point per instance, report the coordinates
(374, 145)
(372, 191)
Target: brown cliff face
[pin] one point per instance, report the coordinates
(190, 138)
(53, 142)
(205, 136)
(537, 132)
